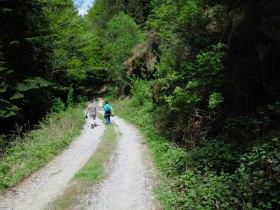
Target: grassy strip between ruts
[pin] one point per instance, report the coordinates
(89, 175)
(39, 146)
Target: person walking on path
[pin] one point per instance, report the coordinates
(108, 109)
(90, 112)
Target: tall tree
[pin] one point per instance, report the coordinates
(103, 10)
(120, 36)
(23, 29)
(74, 49)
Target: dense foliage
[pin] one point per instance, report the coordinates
(201, 74)
(45, 48)
(213, 92)
(23, 55)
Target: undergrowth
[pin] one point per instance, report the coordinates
(220, 173)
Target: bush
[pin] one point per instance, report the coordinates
(58, 105)
(256, 128)
(140, 92)
(215, 156)
(70, 95)
(203, 191)
(257, 180)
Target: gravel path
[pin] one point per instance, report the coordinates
(39, 189)
(129, 186)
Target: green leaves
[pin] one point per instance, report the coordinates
(181, 98)
(7, 109)
(32, 84)
(75, 70)
(23, 66)
(256, 179)
(198, 82)
(120, 36)
(104, 10)
(215, 99)
(16, 96)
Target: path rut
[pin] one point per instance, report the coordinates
(43, 186)
(130, 184)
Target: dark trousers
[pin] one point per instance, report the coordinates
(107, 119)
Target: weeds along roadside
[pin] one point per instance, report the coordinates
(185, 186)
(168, 158)
(179, 188)
(91, 174)
(39, 146)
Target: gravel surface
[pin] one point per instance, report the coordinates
(39, 189)
(130, 184)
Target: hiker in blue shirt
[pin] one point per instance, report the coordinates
(108, 109)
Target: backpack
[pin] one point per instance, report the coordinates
(107, 109)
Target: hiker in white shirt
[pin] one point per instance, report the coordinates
(90, 112)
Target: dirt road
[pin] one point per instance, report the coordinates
(43, 186)
(129, 185)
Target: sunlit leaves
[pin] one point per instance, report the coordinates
(181, 99)
(215, 99)
(121, 35)
(16, 96)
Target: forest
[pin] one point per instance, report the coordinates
(201, 75)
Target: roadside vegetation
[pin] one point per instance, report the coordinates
(191, 178)
(34, 149)
(91, 174)
(202, 77)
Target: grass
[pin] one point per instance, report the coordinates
(91, 174)
(38, 147)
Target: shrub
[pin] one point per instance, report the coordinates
(140, 92)
(70, 96)
(215, 156)
(257, 180)
(58, 105)
(203, 191)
